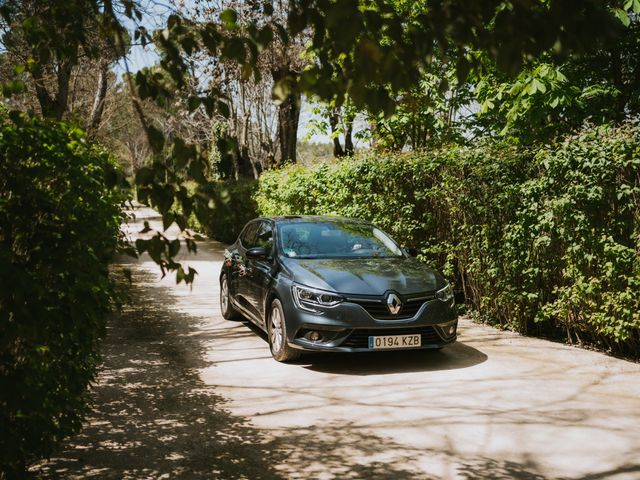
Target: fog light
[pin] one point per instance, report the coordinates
(448, 329)
(314, 336)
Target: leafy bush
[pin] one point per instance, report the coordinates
(541, 242)
(415, 196)
(574, 245)
(59, 224)
(231, 206)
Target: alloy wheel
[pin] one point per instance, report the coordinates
(276, 330)
(224, 295)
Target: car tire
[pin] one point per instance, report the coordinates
(277, 331)
(228, 312)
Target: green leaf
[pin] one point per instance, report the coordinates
(174, 248)
(197, 171)
(144, 176)
(210, 38)
(633, 5)
(246, 72)
(265, 36)
(622, 16)
(541, 87)
(193, 103)
(179, 275)
(189, 277)
(181, 221)
(142, 245)
(281, 90)
(229, 18)
(167, 220)
(463, 67)
(208, 105)
(156, 138)
(223, 108)
(234, 49)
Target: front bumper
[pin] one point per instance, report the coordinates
(348, 326)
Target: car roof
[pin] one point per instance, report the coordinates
(312, 218)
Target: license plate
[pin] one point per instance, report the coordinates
(394, 341)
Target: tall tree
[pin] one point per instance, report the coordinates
(59, 45)
(264, 126)
(550, 97)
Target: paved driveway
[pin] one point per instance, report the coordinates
(494, 405)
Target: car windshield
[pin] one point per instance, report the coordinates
(335, 239)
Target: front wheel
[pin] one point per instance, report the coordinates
(228, 312)
(280, 350)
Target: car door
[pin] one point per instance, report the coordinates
(239, 268)
(261, 271)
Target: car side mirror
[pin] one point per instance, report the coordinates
(256, 253)
(412, 252)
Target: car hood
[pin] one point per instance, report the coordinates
(364, 276)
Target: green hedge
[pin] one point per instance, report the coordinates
(59, 224)
(542, 242)
(231, 205)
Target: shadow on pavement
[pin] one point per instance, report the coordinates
(454, 356)
(320, 452)
(457, 355)
(152, 416)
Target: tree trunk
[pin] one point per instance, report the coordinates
(288, 117)
(333, 121)
(62, 97)
(348, 139)
(44, 98)
(101, 94)
(374, 127)
(618, 82)
(245, 166)
(55, 106)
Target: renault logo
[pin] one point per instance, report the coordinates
(394, 303)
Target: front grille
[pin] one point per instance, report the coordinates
(360, 338)
(379, 310)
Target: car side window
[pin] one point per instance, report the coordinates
(249, 234)
(264, 238)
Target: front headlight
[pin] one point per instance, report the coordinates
(307, 298)
(445, 294)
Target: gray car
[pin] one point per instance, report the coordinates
(333, 284)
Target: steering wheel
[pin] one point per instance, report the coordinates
(303, 249)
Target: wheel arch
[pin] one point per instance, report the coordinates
(269, 298)
(223, 271)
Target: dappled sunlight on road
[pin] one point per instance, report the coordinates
(152, 416)
(495, 400)
(185, 393)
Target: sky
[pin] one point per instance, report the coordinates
(154, 15)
